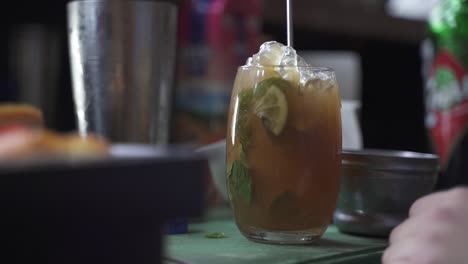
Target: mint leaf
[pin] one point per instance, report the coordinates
(240, 182)
(244, 133)
(215, 235)
(243, 130)
(245, 100)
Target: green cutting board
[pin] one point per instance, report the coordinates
(334, 247)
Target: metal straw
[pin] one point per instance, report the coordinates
(289, 21)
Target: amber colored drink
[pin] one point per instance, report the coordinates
(283, 153)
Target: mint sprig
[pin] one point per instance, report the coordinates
(240, 182)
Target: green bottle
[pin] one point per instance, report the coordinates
(446, 91)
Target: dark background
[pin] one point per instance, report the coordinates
(392, 92)
(52, 16)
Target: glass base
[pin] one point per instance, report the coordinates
(282, 237)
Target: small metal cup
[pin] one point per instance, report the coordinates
(122, 57)
(378, 188)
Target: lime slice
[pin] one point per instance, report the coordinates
(262, 87)
(271, 105)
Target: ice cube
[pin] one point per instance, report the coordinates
(288, 69)
(289, 57)
(270, 54)
(320, 82)
(284, 58)
(301, 62)
(289, 73)
(312, 73)
(305, 74)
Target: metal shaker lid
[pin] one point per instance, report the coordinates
(390, 160)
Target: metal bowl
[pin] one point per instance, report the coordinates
(379, 186)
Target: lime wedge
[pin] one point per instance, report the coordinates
(262, 87)
(271, 105)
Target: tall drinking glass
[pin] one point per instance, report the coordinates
(283, 152)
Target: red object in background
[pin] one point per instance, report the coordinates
(445, 139)
(450, 124)
(447, 91)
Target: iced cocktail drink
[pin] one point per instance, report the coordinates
(283, 147)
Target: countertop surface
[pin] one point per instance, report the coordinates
(334, 247)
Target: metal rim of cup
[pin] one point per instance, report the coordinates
(390, 160)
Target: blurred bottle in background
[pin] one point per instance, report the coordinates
(445, 68)
(215, 37)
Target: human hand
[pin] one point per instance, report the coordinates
(436, 231)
